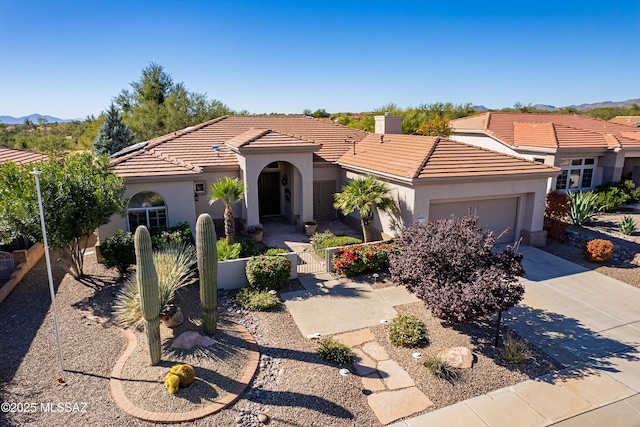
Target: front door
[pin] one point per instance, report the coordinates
(323, 199)
(269, 193)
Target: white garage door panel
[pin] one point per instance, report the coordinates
(495, 214)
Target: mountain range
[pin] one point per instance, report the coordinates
(33, 118)
(581, 107)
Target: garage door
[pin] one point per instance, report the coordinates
(494, 214)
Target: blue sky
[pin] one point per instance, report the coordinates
(69, 59)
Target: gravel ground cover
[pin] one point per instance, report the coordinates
(604, 226)
(293, 386)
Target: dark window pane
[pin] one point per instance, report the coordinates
(589, 161)
(587, 176)
(561, 182)
(576, 162)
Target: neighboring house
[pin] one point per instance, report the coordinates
(626, 120)
(19, 156)
(292, 166)
(589, 151)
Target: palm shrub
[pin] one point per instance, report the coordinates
(175, 269)
(228, 251)
(582, 207)
(364, 195)
(230, 191)
(118, 251)
(406, 330)
(267, 272)
(627, 225)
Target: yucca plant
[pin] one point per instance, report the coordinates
(440, 368)
(627, 225)
(582, 207)
(174, 265)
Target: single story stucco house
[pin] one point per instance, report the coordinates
(292, 167)
(588, 151)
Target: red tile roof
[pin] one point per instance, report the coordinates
(20, 156)
(626, 120)
(412, 156)
(269, 139)
(193, 145)
(550, 130)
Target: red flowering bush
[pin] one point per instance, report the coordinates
(266, 272)
(366, 258)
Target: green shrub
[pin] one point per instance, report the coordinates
(276, 251)
(268, 272)
(227, 251)
(175, 266)
(406, 330)
(334, 351)
(324, 240)
(440, 368)
(248, 247)
(612, 196)
(118, 251)
(255, 300)
(582, 207)
(515, 351)
(180, 234)
(365, 258)
(627, 225)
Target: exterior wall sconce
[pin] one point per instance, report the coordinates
(195, 197)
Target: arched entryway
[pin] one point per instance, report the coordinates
(279, 190)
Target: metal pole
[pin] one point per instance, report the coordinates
(36, 173)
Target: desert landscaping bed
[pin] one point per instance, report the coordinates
(293, 386)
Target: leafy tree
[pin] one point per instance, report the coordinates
(113, 135)
(451, 266)
(79, 194)
(230, 191)
(320, 113)
(156, 105)
(364, 195)
(435, 126)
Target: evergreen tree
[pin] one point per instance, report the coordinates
(113, 135)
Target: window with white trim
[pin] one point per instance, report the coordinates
(147, 208)
(577, 174)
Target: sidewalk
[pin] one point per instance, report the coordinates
(587, 321)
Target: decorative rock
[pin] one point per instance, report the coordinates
(188, 340)
(263, 418)
(457, 357)
(636, 259)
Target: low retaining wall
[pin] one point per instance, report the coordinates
(232, 275)
(24, 260)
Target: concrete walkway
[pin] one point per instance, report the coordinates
(587, 321)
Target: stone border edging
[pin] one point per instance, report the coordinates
(117, 390)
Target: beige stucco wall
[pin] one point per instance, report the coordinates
(531, 194)
(301, 182)
(178, 197)
(216, 210)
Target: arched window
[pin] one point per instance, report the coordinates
(147, 208)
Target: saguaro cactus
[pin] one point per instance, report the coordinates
(147, 279)
(207, 254)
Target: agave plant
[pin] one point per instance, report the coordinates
(582, 207)
(627, 225)
(175, 267)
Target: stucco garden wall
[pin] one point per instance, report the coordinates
(231, 274)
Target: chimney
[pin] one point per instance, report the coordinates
(388, 124)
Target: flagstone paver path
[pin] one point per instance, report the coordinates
(392, 392)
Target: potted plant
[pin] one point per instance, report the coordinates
(310, 227)
(256, 233)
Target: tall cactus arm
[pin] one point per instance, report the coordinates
(207, 255)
